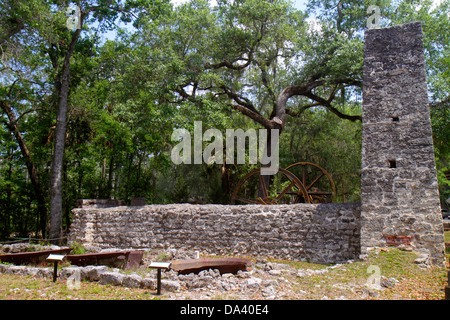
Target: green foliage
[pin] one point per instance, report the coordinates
(77, 248)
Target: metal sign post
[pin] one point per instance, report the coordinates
(159, 266)
(55, 258)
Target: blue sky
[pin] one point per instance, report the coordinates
(299, 4)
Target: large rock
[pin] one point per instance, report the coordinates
(170, 285)
(253, 283)
(149, 283)
(111, 278)
(132, 281)
(93, 273)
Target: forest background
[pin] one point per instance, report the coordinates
(87, 112)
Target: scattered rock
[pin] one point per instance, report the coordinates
(16, 270)
(93, 272)
(405, 247)
(266, 280)
(132, 281)
(24, 247)
(270, 282)
(112, 278)
(170, 285)
(68, 272)
(243, 274)
(275, 272)
(227, 275)
(199, 282)
(253, 283)
(269, 292)
(149, 283)
(45, 273)
(423, 260)
(310, 272)
(210, 272)
(15, 248)
(388, 282)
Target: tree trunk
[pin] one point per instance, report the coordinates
(109, 188)
(42, 209)
(58, 158)
(58, 154)
(127, 187)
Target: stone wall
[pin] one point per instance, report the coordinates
(399, 189)
(321, 233)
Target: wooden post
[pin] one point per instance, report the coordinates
(158, 284)
(55, 258)
(55, 270)
(159, 266)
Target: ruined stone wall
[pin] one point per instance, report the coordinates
(399, 189)
(322, 233)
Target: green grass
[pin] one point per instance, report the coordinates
(27, 288)
(349, 281)
(447, 236)
(346, 281)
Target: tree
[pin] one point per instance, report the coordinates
(106, 13)
(46, 24)
(245, 55)
(16, 26)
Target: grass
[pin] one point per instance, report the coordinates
(414, 282)
(15, 287)
(346, 281)
(447, 236)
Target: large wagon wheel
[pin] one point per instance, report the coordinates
(317, 181)
(284, 188)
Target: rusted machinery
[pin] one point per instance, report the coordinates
(34, 257)
(128, 259)
(224, 265)
(301, 182)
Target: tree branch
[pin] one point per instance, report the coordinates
(328, 105)
(306, 91)
(254, 115)
(229, 65)
(243, 101)
(301, 110)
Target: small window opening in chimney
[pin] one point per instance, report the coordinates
(395, 119)
(392, 163)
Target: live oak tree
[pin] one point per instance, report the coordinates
(252, 57)
(248, 55)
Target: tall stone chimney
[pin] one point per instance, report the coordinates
(399, 189)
